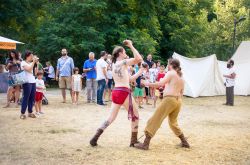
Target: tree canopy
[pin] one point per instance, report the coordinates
(194, 28)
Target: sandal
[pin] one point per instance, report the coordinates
(31, 115)
(22, 116)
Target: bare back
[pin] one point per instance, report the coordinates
(120, 74)
(174, 84)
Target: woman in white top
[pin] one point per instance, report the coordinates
(29, 88)
(153, 73)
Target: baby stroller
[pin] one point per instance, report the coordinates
(44, 101)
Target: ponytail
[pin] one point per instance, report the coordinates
(116, 52)
(179, 72)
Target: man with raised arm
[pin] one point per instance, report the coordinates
(169, 107)
(121, 94)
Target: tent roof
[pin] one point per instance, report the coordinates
(8, 44)
(242, 54)
(3, 39)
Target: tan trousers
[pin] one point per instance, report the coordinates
(170, 106)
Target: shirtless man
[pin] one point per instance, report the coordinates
(121, 94)
(170, 105)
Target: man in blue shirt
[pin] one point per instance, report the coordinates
(65, 66)
(89, 67)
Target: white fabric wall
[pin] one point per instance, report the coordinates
(202, 76)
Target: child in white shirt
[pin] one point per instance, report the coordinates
(40, 88)
(76, 85)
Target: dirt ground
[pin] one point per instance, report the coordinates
(218, 135)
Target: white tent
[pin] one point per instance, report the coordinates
(242, 68)
(202, 76)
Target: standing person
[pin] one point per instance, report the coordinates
(76, 85)
(89, 67)
(158, 66)
(121, 94)
(138, 91)
(40, 88)
(13, 66)
(65, 66)
(230, 81)
(152, 73)
(102, 78)
(169, 107)
(146, 77)
(38, 67)
(149, 61)
(50, 72)
(110, 78)
(29, 88)
(159, 91)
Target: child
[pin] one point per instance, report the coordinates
(152, 73)
(40, 88)
(146, 77)
(159, 91)
(76, 85)
(138, 91)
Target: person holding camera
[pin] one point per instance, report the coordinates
(121, 94)
(29, 88)
(230, 81)
(89, 67)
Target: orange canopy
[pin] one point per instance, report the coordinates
(6, 43)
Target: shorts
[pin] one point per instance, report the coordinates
(110, 83)
(118, 96)
(147, 91)
(38, 96)
(65, 82)
(157, 93)
(138, 92)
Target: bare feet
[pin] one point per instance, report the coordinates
(7, 106)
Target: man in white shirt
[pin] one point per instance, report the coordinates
(230, 81)
(102, 78)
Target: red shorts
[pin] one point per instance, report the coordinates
(119, 96)
(39, 96)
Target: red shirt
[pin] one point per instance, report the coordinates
(159, 77)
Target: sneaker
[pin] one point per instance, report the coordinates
(102, 104)
(41, 113)
(23, 116)
(37, 113)
(93, 101)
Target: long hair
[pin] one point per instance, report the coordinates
(27, 54)
(16, 55)
(175, 63)
(116, 52)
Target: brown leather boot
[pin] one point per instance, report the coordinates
(93, 141)
(133, 140)
(184, 142)
(145, 144)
